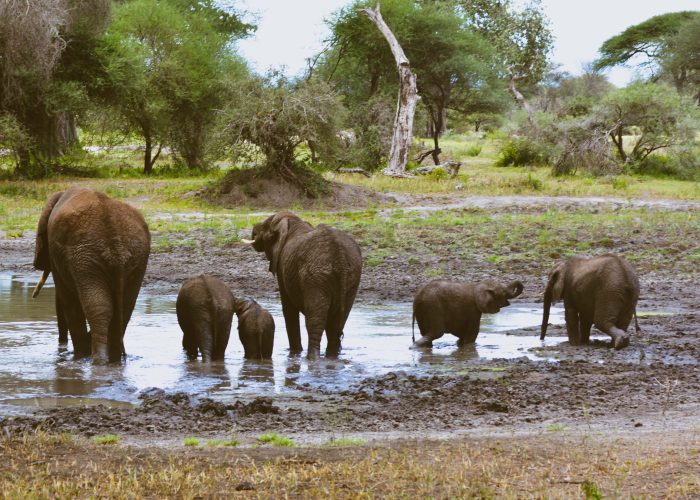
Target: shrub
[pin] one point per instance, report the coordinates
(520, 151)
(474, 150)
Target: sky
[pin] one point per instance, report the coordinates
(290, 31)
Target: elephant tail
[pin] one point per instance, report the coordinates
(413, 327)
(119, 310)
(636, 323)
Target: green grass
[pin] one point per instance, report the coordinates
(555, 428)
(344, 441)
(190, 441)
(106, 439)
(275, 440)
(215, 443)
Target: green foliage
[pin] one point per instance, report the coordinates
(344, 441)
(520, 151)
(276, 440)
(667, 44)
(190, 441)
(474, 150)
(591, 491)
(106, 439)
(216, 443)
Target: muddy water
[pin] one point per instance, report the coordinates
(35, 371)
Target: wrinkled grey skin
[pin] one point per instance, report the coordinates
(601, 291)
(443, 306)
(205, 307)
(318, 271)
(97, 250)
(256, 329)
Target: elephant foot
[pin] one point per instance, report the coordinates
(313, 354)
(422, 343)
(333, 349)
(621, 341)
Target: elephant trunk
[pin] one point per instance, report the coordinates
(545, 314)
(39, 285)
(516, 288)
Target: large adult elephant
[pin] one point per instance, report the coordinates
(97, 249)
(318, 271)
(601, 291)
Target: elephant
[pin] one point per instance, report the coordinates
(97, 249)
(205, 308)
(443, 306)
(601, 291)
(256, 329)
(318, 272)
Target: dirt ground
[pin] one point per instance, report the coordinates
(652, 384)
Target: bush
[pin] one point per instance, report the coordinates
(474, 150)
(521, 151)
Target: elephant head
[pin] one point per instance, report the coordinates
(490, 296)
(552, 294)
(42, 259)
(270, 236)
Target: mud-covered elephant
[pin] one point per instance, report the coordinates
(97, 249)
(318, 271)
(443, 306)
(205, 308)
(601, 291)
(256, 329)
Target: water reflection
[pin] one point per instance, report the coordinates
(377, 340)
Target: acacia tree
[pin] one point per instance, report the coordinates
(666, 45)
(41, 44)
(521, 38)
(278, 115)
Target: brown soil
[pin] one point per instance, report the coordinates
(654, 383)
(256, 188)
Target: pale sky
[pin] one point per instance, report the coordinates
(289, 31)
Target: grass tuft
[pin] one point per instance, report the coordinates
(276, 439)
(191, 441)
(106, 439)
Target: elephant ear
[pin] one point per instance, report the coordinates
(42, 260)
(485, 297)
(555, 285)
(280, 228)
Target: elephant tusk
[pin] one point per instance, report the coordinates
(247, 242)
(38, 286)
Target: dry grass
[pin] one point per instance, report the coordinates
(548, 466)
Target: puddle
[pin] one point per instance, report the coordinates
(35, 372)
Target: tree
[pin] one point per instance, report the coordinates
(455, 68)
(166, 66)
(42, 44)
(278, 115)
(521, 38)
(406, 103)
(654, 116)
(666, 45)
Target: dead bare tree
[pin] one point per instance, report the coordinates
(407, 101)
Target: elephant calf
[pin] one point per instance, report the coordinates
(256, 329)
(601, 291)
(443, 306)
(205, 307)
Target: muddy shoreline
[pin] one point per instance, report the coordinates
(655, 378)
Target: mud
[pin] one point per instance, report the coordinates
(655, 379)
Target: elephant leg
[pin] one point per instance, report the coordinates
(291, 320)
(223, 332)
(73, 317)
(96, 300)
(334, 333)
(429, 330)
(469, 333)
(189, 343)
(619, 336)
(205, 340)
(584, 327)
(62, 322)
(317, 313)
(572, 325)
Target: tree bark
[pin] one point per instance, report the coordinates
(520, 98)
(407, 101)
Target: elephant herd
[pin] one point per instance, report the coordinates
(97, 249)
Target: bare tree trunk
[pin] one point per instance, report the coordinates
(520, 98)
(407, 101)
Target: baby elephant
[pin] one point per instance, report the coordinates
(204, 311)
(256, 329)
(601, 291)
(444, 306)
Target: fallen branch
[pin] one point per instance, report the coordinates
(451, 167)
(353, 171)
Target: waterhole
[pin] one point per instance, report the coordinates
(35, 371)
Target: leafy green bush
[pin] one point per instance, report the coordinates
(520, 151)
(474, 150)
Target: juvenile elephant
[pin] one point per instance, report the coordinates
(318, 271)
(256, 329)
(205, 307)
(443, 306)
(97, 249)
(601, 291)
